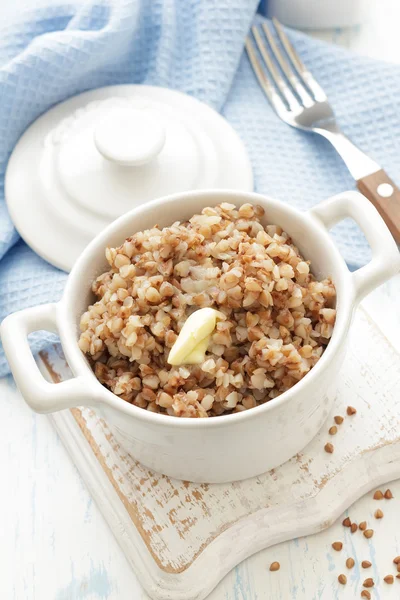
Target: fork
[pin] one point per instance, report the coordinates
(300, 102)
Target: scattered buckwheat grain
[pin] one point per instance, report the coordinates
(337, 546)
(368, 533)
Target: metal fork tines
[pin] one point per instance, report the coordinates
(288, 83)
(296, 96)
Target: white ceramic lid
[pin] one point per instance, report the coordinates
(97, 155)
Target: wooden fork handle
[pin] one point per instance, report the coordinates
(385, 196)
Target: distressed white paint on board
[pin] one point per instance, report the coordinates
(173, 532)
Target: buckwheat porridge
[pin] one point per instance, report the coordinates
(274, 323)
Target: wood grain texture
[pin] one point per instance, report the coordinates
(388, 205)
(173, 531)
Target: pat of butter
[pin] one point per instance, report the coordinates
(191, 345)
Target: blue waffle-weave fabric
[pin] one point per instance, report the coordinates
(51, 53)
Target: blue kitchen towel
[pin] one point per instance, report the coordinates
(50, 53)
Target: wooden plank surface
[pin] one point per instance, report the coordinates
(172, 532)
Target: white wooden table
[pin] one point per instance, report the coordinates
(54, 543)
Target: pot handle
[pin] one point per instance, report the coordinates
(42, 396)
(385, 260)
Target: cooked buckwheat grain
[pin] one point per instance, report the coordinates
(278, 318)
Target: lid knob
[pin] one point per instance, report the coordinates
(129, 136)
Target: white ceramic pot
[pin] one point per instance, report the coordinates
(223, 448)
(318, 14)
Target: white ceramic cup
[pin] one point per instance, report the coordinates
(223, 448)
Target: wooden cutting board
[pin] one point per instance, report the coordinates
(182, 538)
